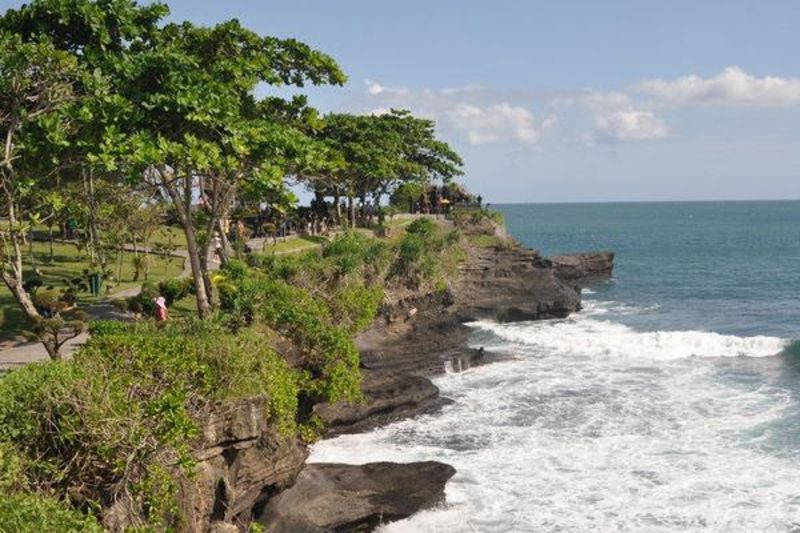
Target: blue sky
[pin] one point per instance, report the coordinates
(570, 101)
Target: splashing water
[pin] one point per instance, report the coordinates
(670, 404)
(594, 427)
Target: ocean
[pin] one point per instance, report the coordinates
(671, 403)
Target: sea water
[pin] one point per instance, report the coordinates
(670, 403)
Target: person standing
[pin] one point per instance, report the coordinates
(161, 309)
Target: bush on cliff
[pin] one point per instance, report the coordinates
(124, 412)
(426, 253)
(329, 353)
(32, 513)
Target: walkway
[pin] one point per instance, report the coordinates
(20, 351)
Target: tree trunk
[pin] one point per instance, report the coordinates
(50, 238)
(351, 204)
(183, 210)
(336, 199)
(21, 296)
(30, 251)
(14, 280)
(120, 257)
(147, 258)
(226, 245)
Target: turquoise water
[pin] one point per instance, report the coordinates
(729, 267)
(671, 403)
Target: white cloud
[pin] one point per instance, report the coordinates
(498, 123)
(374, 88)
(632, 125)
(618, 118)
(732, 86)
(470, 111)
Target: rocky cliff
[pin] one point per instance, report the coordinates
(246, 470)
(241, 462)
(421, 336)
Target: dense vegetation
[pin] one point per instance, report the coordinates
(122, 415)
(116, 120)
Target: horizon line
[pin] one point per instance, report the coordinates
(722, 200)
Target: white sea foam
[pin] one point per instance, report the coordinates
(586, 336)
(597, 427)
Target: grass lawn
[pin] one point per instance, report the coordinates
(68, 263)
(184, 308)
(294, 244)
(167, 234)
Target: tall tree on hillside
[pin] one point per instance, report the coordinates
(204, 131)
(379, 152)
(177, 105)
(59, 60)
(101, 36)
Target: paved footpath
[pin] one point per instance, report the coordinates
(20, 351)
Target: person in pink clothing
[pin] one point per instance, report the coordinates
(161, 309)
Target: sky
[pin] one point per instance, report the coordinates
(569, 101)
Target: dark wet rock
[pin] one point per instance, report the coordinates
(335, 497)
(584, 269)
(419, 336)
(388, 396)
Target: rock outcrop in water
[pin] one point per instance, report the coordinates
(585, 268)
(421, 336)
(335, 497)
(511, 286)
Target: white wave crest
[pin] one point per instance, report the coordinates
(590, 337)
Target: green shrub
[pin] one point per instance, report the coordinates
(98, 328)
(329, 351)
(356, 305)
(173, 289)
(12, 470)
(424, 227)
(101, 424)
(31, 513)
(352, 252)
(235, 269)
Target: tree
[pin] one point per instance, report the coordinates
(205, 132)
(175, 107)
(58, 109)
(379, 152)
(36, 80)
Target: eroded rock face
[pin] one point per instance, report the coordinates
(241, 461)
(585, 268)
(512, 285)
(336, 497)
